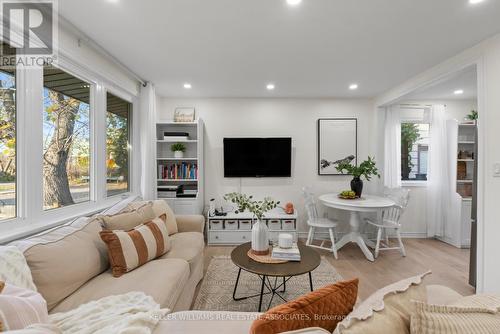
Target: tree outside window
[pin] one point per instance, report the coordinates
(66, 147)
(7, 144)
(117, 144)
(414, 151)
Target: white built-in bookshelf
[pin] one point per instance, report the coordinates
(185, 172)
(462, 141)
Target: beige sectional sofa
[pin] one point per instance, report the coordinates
(70, 265)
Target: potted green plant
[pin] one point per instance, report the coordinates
(178, 149)
(473, 116)
(260, 232)
(366, 169)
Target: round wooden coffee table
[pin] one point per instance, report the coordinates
(310, 260)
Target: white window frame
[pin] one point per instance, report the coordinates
(424, 120)
(31, 218)
(133, 142)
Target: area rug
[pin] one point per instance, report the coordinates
(216, 291)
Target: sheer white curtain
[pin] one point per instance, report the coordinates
(441, 206)
(392, 147)
(147, 119)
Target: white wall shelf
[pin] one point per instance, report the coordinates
(194, 157)
(236, 228)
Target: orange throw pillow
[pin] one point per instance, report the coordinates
(323, 308)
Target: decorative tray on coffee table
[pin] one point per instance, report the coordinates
(264, 258)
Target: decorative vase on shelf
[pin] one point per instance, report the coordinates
(357, 186)
(260, 238)
(178, 154)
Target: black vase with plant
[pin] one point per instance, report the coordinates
(366, 169)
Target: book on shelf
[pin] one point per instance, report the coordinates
(290, 254)
(178, 171)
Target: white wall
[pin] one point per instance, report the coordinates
(486, 56)
(77, 48)
(296, 118)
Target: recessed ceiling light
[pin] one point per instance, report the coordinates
(187, 85)
(458, 92)
(293, 2)
(270, 86)
(473, 2)
(113, 1)
(353, 86)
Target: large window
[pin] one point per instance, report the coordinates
(66, 134)
(414, 151)
(7, 142)
(117, 144)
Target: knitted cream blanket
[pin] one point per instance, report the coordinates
(133, 312)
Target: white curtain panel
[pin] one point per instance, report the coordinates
(442, 206)
(147, 119)
(392, 147)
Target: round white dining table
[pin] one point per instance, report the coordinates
(367, 203)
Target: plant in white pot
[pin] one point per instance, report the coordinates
(178, 149)
(260, 232)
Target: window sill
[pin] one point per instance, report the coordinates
(414, 183)
(19, 228)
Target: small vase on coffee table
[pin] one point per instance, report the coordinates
(260, 238)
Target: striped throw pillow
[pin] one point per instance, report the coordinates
(131, 249)
(20, 308)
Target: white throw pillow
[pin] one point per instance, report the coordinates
(14, 269)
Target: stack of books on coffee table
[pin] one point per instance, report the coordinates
(288, 254)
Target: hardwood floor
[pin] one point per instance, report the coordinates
(449, 265)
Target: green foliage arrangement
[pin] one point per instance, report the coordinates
(178, 147)
(245, 202)
(473, 115)
(366, 169)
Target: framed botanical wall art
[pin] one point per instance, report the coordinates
(337, 141)
(184, 114)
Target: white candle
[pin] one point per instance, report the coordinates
(285, 240)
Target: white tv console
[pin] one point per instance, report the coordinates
(236, 228)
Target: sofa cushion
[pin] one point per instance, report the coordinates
(129, 219)
(187, 246)
(322, 308)
(128, 250)
(64, 258)
(160, 207)
(120, 206)
(441, 295)
(387, 310)
(164, 280)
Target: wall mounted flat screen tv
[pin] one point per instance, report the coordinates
(257, 157)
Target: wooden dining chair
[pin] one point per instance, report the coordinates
(390, 220)
(315, 222)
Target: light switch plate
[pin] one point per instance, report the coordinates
(496, 169)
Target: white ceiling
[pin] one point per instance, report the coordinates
(465, 80)
(233, 48)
